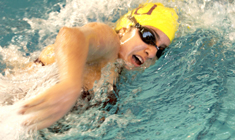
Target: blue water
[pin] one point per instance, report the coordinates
(187, 94)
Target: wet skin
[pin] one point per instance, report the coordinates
(133, 47)
(79, 52)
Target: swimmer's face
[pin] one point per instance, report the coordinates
(137, 53)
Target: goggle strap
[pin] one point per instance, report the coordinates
(138, 26)
(156, 46)
(132, 19)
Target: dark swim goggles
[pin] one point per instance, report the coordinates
(148, 37)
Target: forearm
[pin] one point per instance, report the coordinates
(74, 47)
(71, 49)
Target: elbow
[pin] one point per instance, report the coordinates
(70, 33)
(63, 31)
(70, 38)
(66, 35)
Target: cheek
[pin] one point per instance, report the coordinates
(126, 45)
(131, 43)
(123, 52)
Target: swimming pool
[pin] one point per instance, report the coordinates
(187, 94)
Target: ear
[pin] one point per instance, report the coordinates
(122, 31)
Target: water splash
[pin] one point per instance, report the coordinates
(182, 93)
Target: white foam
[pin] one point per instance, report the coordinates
(18, 85)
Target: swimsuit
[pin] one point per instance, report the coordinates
(39, 61)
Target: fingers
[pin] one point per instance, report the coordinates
(48, 122)
(42, 120)
(34, 101)
(33, 104)
(30, 109)
(39, 116)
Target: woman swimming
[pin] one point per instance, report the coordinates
(141, 35)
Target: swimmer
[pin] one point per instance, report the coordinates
(141, 35)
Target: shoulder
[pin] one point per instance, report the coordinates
(101, 29)
(97, 25)
(104, 36)
(102, 39)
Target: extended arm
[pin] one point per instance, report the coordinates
(74, 47)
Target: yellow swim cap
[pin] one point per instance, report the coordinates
(152, 14)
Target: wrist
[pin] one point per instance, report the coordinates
(71, 87)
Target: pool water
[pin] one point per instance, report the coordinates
(187, 94)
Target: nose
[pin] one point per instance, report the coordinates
(151, 51)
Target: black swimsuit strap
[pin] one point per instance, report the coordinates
(39, 61)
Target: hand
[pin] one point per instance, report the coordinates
(50, 106)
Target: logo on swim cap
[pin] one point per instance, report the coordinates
(152, 14)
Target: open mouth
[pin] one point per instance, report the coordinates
(137, 60)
